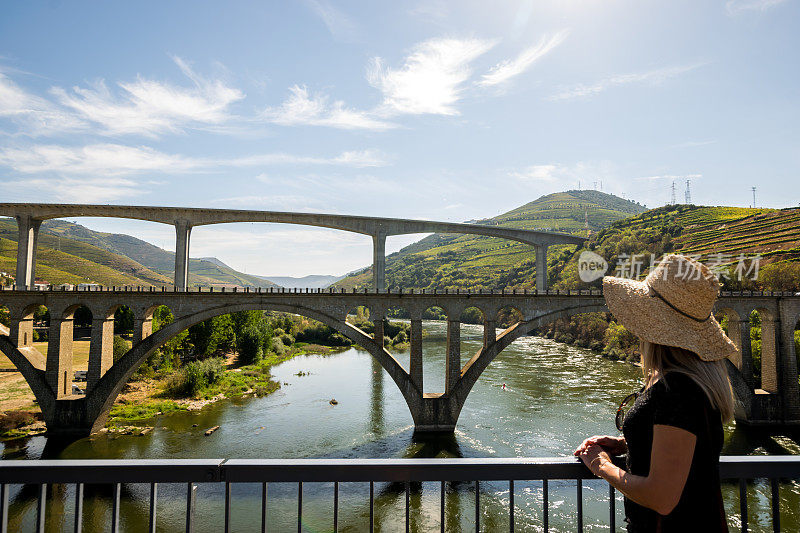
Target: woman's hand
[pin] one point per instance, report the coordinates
(594, 456)
(612, 445)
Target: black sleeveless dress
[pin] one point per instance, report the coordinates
(676, 400)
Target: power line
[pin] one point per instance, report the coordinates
(754, 197)
(688, 193)
(672, 200)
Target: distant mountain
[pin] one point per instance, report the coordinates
(472, 262)
(71, 253)
(306, 282)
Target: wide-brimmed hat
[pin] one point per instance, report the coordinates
(672, 306)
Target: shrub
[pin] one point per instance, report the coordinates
(287, 339)
(121, 347)
(196, 376)
(277, 345)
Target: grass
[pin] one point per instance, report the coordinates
(80, 355)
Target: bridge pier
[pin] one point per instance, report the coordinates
(453, 364)
(739, 333)
(58, 366)
(183, 230)
(416, 353)
(541, 267)
(101, 350)
(28, 235)
(379, 261)
(489, 332)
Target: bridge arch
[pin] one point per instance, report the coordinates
(102, 396)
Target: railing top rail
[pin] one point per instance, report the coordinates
(324, 470)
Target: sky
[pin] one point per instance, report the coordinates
(432, 110)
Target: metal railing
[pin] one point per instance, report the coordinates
(405, 471)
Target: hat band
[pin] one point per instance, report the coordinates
(674, 308)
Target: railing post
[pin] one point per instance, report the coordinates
(28, 234)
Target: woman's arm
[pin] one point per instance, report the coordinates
(670, 461)
(613, 445)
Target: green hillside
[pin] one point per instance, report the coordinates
(71, 253)
(474, 262)
(708, 231)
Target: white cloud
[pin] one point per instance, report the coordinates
(653, 77)
(117, 160)
(79, 190)
(734, 7)
(36, 115)
(539, 173)
(340, 25)
(431, 78)
(108, 159)
(301, 108)
(510, 68)
(151, 107)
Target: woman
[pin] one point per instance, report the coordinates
(673, 431)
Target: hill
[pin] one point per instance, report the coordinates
(71, 253)
(717, 234)
(473, 262)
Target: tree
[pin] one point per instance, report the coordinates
(250, 345)
(123, 320)
(212, 335)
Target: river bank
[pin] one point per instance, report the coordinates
(144, 399)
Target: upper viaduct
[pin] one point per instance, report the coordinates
(773, 400)
(29, 218)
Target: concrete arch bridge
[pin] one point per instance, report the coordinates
(775, 400)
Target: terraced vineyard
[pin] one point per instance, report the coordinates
(773, 233)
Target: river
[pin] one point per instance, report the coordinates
(555, 395)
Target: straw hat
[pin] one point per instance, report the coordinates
(672, 306)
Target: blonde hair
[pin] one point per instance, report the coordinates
(710, 376)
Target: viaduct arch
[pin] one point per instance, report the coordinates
(432, 412)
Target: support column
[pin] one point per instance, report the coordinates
(489, 332)
(541, 267)
(377, 332)
(453, 365)
(28, 229)
(379, 262)
(183, 230)
(101, 350)
(741, 337)
(790, 389)
(769, 354)
(416, 353)
(21, 332)
(58, 368)
(142, 328)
